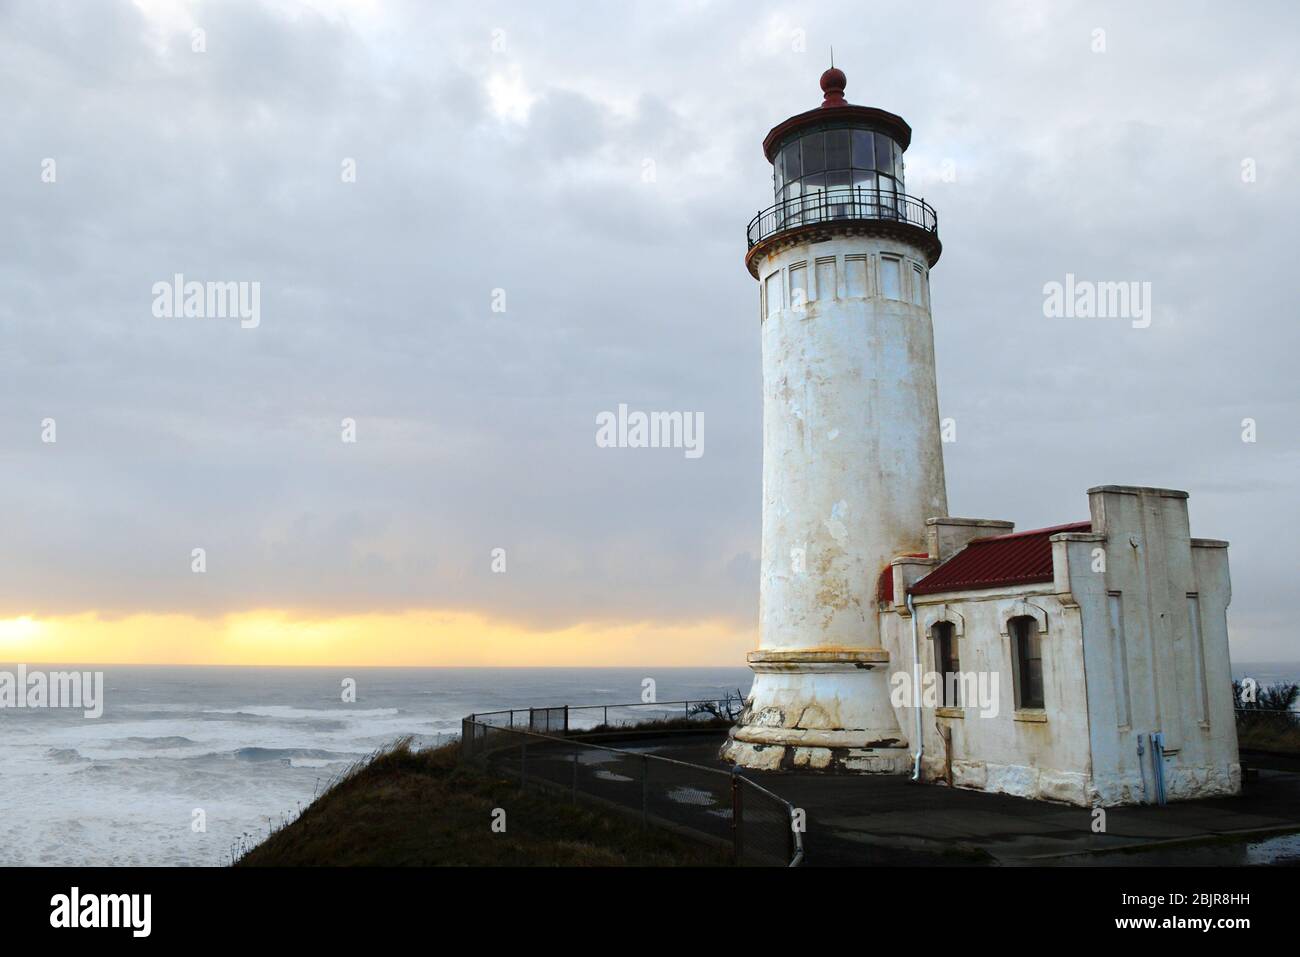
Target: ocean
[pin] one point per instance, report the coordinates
(186, 762)
(238, 750)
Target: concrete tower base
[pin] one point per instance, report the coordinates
(823, 710)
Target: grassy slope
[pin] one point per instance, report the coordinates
(418, 808)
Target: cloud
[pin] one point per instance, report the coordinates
(476, 428)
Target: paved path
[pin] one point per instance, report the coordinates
(887, 819)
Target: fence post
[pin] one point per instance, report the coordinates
(737, 813)
(645, 787)
(523, 764)
(566, 719)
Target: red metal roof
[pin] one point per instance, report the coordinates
(1021, 558)
(835, 107)
(885, 583)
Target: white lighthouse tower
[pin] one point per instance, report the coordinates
(852, 460)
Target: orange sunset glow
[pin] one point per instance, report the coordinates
(415, 638)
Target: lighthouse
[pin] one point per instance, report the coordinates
(852, 459)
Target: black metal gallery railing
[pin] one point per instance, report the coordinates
(846, 203)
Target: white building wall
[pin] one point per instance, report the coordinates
(1134, 641)
(1155, 631)
(1029, 753)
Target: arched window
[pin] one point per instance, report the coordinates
(1027, 661)
(948, 663)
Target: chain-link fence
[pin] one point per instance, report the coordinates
(548, 720)
(1268, 738)
(565, 719)
(1281, 720)
(705, 803)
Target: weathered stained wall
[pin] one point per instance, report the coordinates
(1156, 646)
(852, 462)
(1035, 753)
(852, 468)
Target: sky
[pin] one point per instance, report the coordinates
(476, 228)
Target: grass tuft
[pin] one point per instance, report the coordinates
(407, 807)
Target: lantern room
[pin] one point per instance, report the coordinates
(841, 162)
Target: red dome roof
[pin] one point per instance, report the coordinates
(833, 83)
(835, 108)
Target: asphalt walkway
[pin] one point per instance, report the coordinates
(886, 819)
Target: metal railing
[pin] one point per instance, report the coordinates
(1267, 738)
(1267, 717)
(842, 204)
(711, 804)
(563, 719)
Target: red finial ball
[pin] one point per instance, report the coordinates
(833, 83)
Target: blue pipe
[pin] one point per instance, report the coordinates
(1142, 769)
(1158, 760)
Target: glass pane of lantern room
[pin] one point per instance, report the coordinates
(898, 166)
(838, 194)
(837, 150)
(888, 207)
(814, 153)
(884, 153)
(790, 161)
(864, 192)
(814, 191)
(864, 156)
(793, 214)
